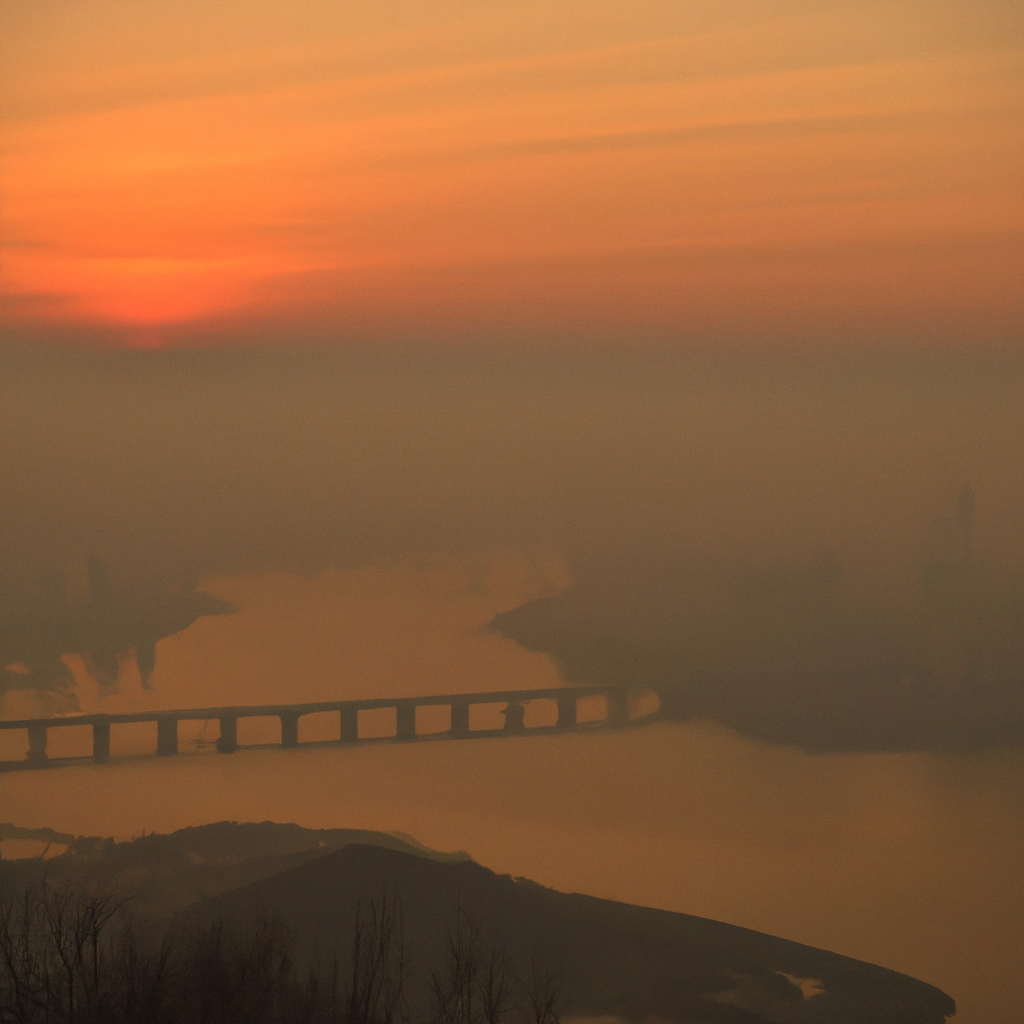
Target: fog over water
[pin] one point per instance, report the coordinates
(761, 533)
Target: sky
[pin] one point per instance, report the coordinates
(435, 347)
(452, 172)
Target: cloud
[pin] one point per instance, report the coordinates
(468, 168)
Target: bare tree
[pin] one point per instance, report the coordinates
(543, 994)
(237, 976)
(379, 967)
(52, 951)
(496, 984)
(24, 983)
(143, 984)
(477, 984)
(454, 988)
(61, 962)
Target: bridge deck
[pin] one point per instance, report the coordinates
(619, 714)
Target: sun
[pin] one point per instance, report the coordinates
(136, 297)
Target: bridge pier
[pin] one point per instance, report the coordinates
(349, 725)
(618, 708)
(289, 730)
(227, 742)
(101, 741)
(566, 711)
(405, 721)
(619, 715)
(460, 718)
(166, 736)
(515, 720)
(37, 742)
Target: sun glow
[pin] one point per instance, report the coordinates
(843, 172)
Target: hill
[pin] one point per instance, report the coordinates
(164, 873)
(612, 959)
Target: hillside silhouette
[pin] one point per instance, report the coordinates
(612, 959)
(602, 958)
(163, 874)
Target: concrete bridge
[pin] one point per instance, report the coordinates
(614, 712)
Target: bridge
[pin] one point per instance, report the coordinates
(614, 712)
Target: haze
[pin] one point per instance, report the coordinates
(434, 347)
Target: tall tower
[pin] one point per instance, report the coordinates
(963, 524)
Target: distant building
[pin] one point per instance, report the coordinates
(946, 550)
(963, 520)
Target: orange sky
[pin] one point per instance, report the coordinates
(748, 171)
(447, 170)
